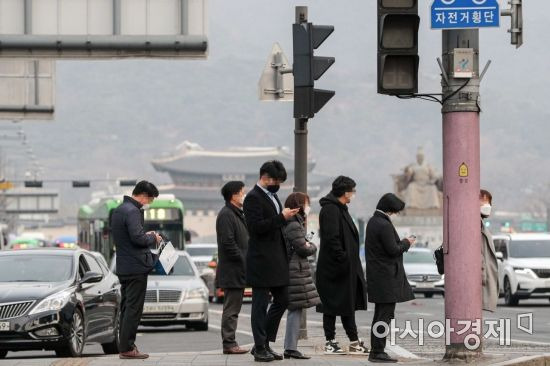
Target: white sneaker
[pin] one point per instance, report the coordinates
(332, 348)
(358, 348)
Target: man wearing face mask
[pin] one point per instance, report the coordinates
(267, 258)
(232, 236)
(489, 264)
(134, 261)
(340, 278)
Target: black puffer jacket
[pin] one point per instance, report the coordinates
(301, 291)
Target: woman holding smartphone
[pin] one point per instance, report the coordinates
(386, 279)
(302, 292)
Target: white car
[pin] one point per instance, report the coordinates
(422, 272)
(178, 298)
(201, 253)
(523, 266)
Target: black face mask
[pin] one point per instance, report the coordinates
(273, 188)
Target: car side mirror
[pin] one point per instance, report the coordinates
(500, 255)
(91, 277)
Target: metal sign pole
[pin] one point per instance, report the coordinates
(300, 159)
(461, 174)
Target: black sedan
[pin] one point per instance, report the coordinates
(57, 299)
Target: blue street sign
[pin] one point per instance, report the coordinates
(453, 14)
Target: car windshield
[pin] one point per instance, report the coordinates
(35, 268)
(181, 268)
(201, 251)
(530, 249)
(418, 257)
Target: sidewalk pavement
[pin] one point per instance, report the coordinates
(428, 354)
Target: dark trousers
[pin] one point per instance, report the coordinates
(382, 313)
(133, 290)
(329, 326)
(232, 302)
(265, 324)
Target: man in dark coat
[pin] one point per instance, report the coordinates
(387, 282)
(232, 237)
(340, 278)
(267, 257)
(134, 261)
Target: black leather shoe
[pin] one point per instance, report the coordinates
(262, 355)
(296, 354)
(275, 355)
(381, 357)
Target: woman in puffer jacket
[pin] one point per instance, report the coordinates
(302, 292)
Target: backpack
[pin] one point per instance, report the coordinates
(438, 256)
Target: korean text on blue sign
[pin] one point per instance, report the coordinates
(451, 14)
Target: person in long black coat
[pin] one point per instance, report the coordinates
(267, 258)
(232, 237)
(387, 282)
(301, 290)
(340, 278)
(134, 261)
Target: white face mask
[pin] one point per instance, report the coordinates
(486, 209)
(307, 209)
(145, 206)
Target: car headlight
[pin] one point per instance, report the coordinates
(523, 271)
(53, 302)
(198, 293)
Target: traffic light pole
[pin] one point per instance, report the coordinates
(461, 166)
(300, 160)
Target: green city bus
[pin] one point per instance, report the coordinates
(165, 215)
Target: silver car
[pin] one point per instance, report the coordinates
(178, 298)
(422, 272)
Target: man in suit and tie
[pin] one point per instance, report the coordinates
(267, 258)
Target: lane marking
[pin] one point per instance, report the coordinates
(402, 352)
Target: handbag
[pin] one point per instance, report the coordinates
(439, 262)
(167, 258)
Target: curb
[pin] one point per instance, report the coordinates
(540, 360)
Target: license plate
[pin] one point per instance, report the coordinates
(425, 285)
(158, 309)
(4, 326)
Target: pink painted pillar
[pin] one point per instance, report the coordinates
(462, 243)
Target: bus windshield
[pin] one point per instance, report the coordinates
(174, 232)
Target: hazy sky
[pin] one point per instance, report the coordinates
(114, 116)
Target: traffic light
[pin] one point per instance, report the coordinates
(398, 23)
(127, 182)
(515, 13)
(33, 184)
(81, 183)
(307, 68)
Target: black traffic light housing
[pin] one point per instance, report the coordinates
(127, 182)
(398, 60)
(307, 68)
(33, 184)
(81, 184)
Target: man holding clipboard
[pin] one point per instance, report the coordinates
(134, 261)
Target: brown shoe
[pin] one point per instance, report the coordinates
(133, 354)
(234, 351)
